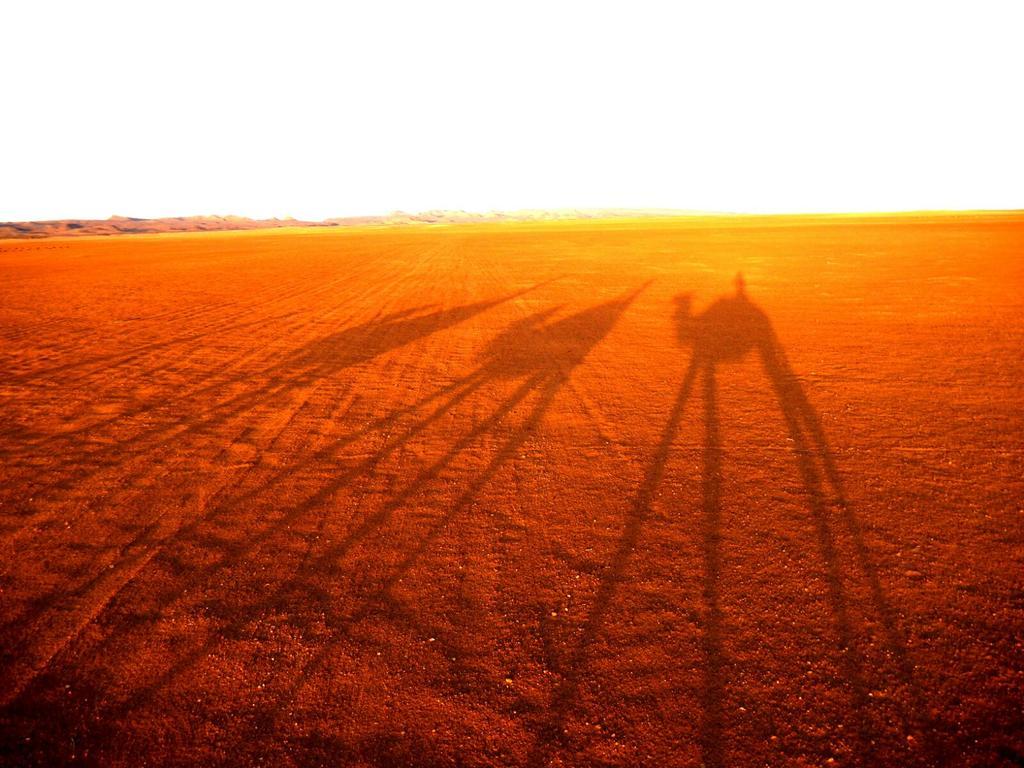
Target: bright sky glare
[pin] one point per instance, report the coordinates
(343, 108)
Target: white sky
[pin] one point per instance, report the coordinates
(328, 109)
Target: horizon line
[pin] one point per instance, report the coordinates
(565, 213)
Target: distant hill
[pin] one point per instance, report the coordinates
(124, 225)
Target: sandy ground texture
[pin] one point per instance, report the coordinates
(549, 494)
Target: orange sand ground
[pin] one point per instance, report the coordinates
(492, 496)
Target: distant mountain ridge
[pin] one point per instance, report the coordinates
(126, 225)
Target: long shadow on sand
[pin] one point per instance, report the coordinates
(24, 647)
(319, 359)
(531, 360)
(727, 331)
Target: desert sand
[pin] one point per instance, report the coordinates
(515, 494)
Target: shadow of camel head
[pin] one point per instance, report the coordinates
(726, 331)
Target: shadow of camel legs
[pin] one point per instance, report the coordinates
(32, 646)
(711, 546)
(540, 363)
(810, 449)
(559, 347)
(566, 694)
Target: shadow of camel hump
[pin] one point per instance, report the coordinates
(726, 331)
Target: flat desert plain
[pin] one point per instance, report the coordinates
(520, 494)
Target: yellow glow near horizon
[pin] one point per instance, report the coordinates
(319, 109)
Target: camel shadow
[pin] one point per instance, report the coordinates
(23, 634)
(529, 362)
(537, 354)
(728, 331)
